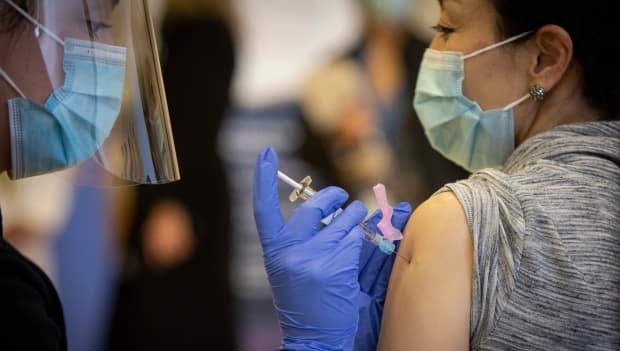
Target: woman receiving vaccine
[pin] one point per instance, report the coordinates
(522, 255)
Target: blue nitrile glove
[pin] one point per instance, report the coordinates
(313, 273)
(375, 269)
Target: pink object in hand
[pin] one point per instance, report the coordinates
(385, 225)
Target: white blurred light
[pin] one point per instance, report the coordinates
(282, 41)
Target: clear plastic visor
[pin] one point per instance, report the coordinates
(134, 142)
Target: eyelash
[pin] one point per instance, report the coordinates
(97, 26)
(445, 31)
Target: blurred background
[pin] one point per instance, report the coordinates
(328, 84)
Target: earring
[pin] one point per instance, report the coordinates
(537, 92)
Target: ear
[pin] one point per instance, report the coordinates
(554, 53)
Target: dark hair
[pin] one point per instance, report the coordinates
(9, 18)
(594, 29)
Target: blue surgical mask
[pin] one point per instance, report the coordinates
(76, 119)
(456, 126)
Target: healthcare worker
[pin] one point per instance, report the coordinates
(522, 255)
(79, 86)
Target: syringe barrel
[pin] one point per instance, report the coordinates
(385, 245)
(304, 191)
(309, 192)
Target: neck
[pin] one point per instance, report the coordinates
(563, 105)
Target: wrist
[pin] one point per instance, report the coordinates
(300, 336)
(313, 345)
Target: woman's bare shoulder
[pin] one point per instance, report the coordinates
(440, 220)
(429, 298)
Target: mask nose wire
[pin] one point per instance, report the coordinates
(11, 83)
(35, 22)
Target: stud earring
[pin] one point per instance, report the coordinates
(537, 92)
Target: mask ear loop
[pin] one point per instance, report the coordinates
(493, 46)
(510, 106)
(11, 83)
(35, 22)
(37, 28)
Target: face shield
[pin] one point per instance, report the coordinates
(107, 107)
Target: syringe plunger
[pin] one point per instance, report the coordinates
(301, 190)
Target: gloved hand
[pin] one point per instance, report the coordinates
(375, 270)
(313, 273)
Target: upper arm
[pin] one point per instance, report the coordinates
(428, 300)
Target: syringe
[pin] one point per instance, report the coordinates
(304, 191)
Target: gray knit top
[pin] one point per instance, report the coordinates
(546, 234)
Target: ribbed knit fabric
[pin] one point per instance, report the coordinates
(546, 233)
